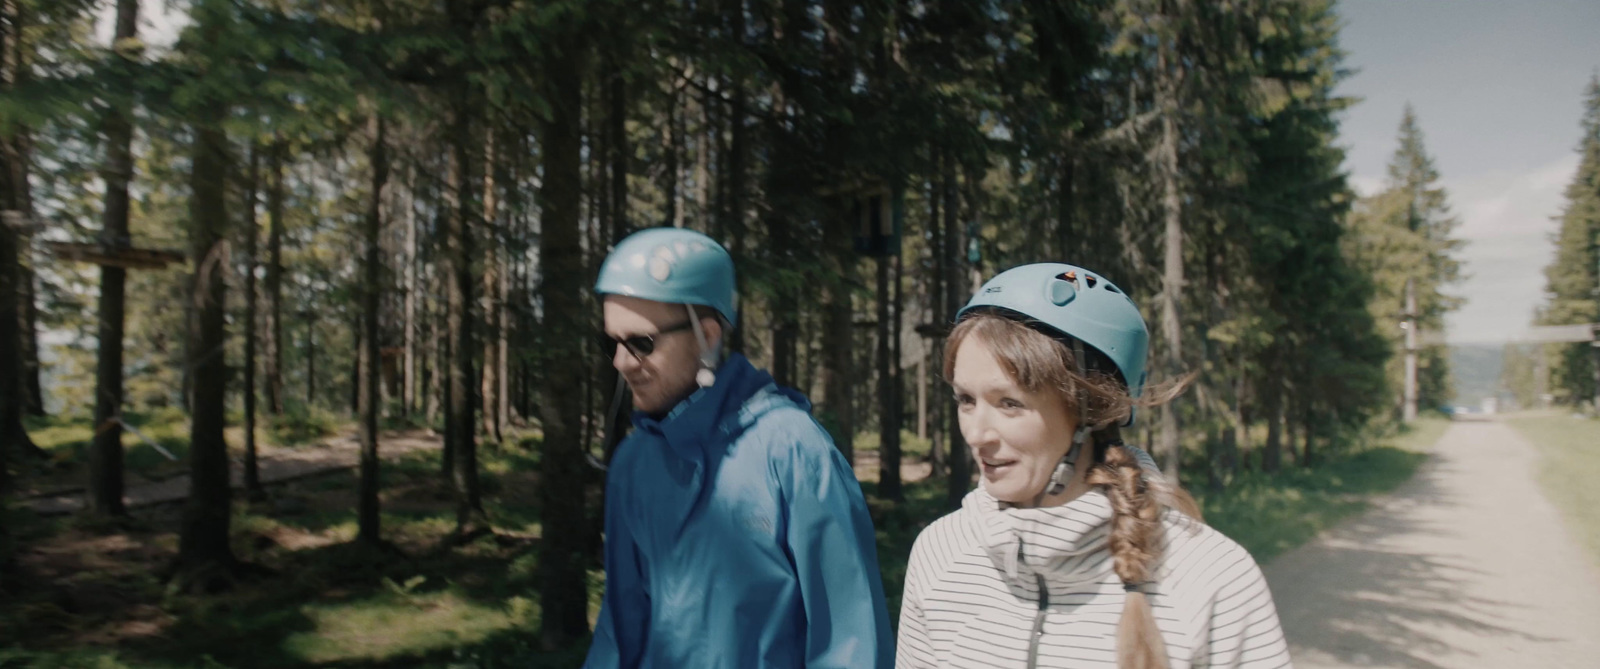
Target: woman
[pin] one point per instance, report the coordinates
(1069, 553)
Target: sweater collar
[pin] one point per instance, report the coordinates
(1065, 544)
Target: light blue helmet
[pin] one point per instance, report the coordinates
(671, 265)
(1077, 303)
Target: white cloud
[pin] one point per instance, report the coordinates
(1506, 220)
(1365, 185)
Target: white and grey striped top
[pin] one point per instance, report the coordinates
(972, 592)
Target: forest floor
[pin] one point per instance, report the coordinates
(1468, 564)
(92, 595)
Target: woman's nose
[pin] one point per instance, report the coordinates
(977, 429)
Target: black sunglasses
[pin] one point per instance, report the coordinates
(641, 346)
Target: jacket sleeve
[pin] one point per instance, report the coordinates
(832, 544)
(1244, 622)
(624, 621)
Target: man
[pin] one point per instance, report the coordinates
(736, 534)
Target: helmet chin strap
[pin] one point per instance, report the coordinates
(708, 358)
(1068, 464)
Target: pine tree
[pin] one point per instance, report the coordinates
(1572, 280)
(1405, 243)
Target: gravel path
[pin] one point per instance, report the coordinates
(1467, 565)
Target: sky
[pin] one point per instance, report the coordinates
(1497, 87)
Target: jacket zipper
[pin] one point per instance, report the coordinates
(1038, 622)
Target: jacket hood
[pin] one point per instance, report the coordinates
(721, 412)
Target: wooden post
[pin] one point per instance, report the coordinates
(1409, 411)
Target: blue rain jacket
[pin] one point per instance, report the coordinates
(737, 538)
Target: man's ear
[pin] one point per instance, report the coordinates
(713, 329)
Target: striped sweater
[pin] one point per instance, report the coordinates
(972, 594)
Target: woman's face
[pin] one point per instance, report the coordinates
(1017, 437)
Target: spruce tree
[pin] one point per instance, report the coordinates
(1572, 280)
(1405, 238)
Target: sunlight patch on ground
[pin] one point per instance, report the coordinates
(399, 624)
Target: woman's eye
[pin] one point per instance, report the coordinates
(963, 399)
(1008, 403)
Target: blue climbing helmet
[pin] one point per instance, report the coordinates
(671, 265)
(1078, 304)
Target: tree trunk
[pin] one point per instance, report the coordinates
(14, 439)
(737, 184)
(674, 148)
(563, 590)
(105, 455)
(1066, 233)
(888, 385)
(272, 365)
(368, 524)
(838, 343)
(935, 308)
(1172, 269)
(617, 146)
(489, 390)
(355, 358)
(1409, 396)
(955, 296)
(458, 323)
(1306, 435)
(252, 470)
(203, 544)
(408, 391)
(19, 163)
(617, 120)
(1288, 411)
(502, 356)
(311, 358)
(1272, 456)
(434, 345)
(32, 371)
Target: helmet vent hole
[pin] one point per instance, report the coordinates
(1112, 288)
(1068, 276)
(1089, 279)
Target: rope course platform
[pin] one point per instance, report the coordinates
(127, 257)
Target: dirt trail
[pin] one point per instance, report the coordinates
(283, 464)
(273, 465)
(1467, 565)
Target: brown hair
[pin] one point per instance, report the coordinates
(1041, 363)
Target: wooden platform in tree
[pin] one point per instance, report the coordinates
(125, 257)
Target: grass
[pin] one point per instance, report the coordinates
(1271, 514)
(67, 440)
(1570, 450)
